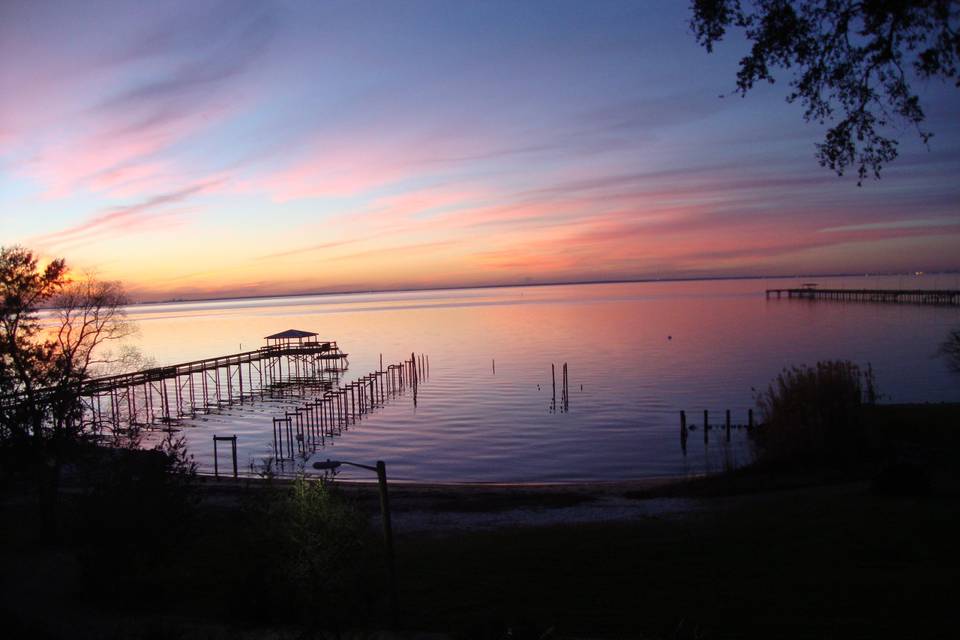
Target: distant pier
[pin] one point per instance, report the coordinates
(902, 296)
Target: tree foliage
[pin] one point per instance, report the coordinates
(853, 62)
(308, 554)
(53, 336)
(25, 358)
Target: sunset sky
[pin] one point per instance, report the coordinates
(207, 149)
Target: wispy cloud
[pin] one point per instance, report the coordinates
(313, 248)
(145, 99)
(922, 223)
(140, 218)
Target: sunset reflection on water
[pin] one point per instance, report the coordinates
(637, 353)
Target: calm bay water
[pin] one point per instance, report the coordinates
(637, 353)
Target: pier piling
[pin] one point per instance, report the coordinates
(683, 431)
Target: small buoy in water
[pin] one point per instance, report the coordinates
(669, 337)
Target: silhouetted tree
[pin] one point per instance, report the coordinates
(852, 63)
(44, 362)
(25, 358)
(88, 315)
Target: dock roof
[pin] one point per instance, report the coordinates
(291, 333)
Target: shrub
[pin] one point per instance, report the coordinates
(950, 349)
(813, 413)
(307, 555)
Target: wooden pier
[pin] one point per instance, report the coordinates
(908, 296)
(315, 423)
(291, 363)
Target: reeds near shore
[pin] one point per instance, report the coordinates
(814, 412)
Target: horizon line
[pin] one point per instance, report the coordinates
(537, 284)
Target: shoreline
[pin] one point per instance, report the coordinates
(415, 486)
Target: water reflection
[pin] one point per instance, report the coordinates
(636, 355)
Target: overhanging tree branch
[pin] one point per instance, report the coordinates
(848, 61)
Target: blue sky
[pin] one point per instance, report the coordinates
(192, 149)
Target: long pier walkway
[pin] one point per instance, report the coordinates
(291, 362)
(910, 296)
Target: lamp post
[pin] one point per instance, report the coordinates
(381, 470)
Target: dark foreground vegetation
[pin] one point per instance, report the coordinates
(143, 549)
(834, 562)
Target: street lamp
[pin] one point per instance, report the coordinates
(381, 470)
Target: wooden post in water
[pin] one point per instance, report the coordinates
(706, 426)
(566, 389)
(321, 418)
(493, 363)
(233, 444)
(276, 451)
(683, 431)
(563, 386)
(234, 440)
(750, 419)
(331, 420)
(553, 379)
(728, 425)
(416, 378)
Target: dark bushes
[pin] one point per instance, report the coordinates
(137, 510)
(307, 555)
(950, 349)
(814, 413)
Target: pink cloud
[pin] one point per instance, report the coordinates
(412, 203)
(336, 170)
(107, 114)
(126, 161)
(140, 217)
